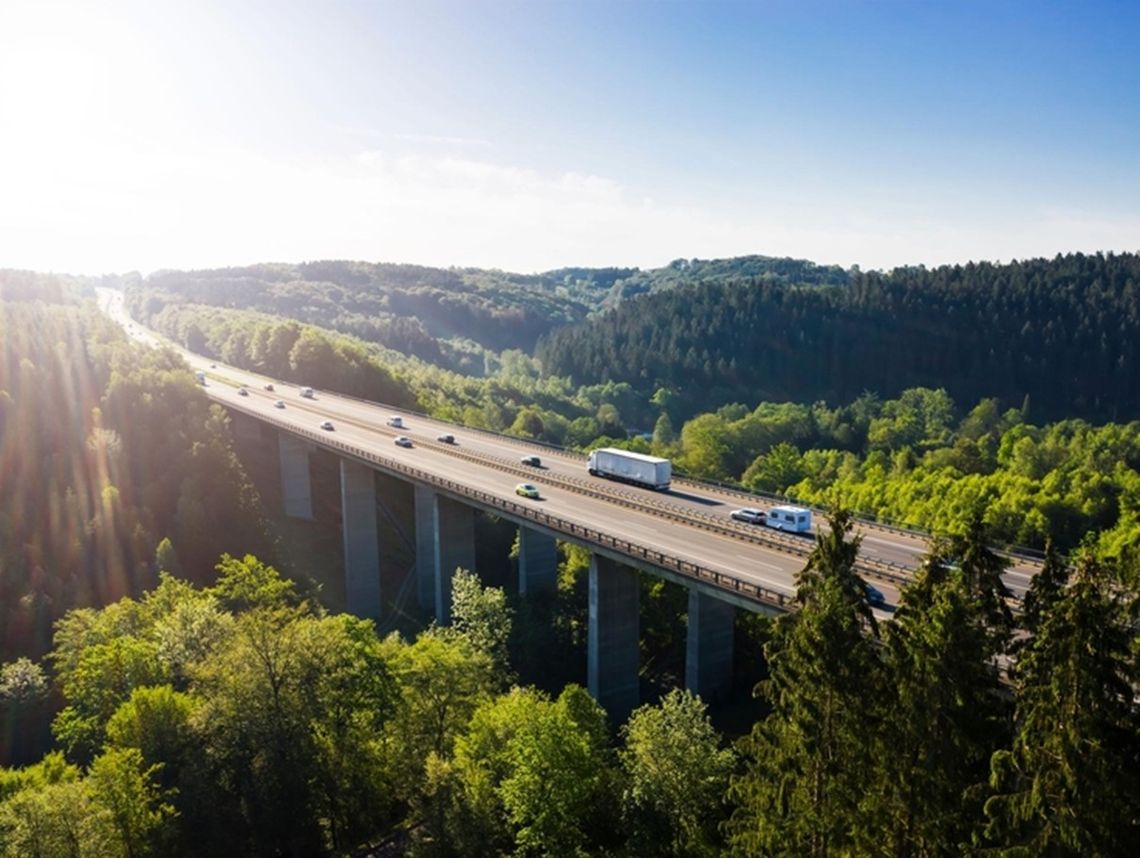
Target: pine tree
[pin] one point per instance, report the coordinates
(809, 759)
(1069, 786)
(945, 720)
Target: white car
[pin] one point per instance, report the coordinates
(750, 515)
(396, 422)
(327, 426)
(280, 403)
(403, 441)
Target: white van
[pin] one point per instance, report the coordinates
(791, 518)
(307, 392)
(396, 421)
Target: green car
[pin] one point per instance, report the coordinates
(526, 490)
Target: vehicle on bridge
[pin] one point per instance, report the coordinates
(445, 438)
(532, 461)
(402, 441)
(269, 387)
(750, 515)
(327, 426)
(280, 403)
(627, 467)
(200, 377)
(526, 490)
(875, 597)
(396, 421)
(307, 392)
(795, 519)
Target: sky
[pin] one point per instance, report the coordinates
(526, 136)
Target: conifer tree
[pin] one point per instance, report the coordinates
(1069, 786)
(809, 759)
(945, 720)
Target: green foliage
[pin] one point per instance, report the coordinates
(1069, 786)
(676, 777)
(482, 616)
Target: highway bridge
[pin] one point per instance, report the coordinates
(685, 535)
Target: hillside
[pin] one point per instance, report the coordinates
(1061, 332)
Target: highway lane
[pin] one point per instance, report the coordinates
(901, 548)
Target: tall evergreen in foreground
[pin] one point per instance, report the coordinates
(945, 720)
(1070, 784)
(810, 758)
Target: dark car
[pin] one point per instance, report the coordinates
(533, 461)
(269, 387)
(446, 438)
(875, 597)
(327, 426)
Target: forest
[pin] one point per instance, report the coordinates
(166, 690)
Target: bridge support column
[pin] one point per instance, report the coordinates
(295, 487)
(454, 548)
(361, 544)
(709, 645)
(425, 546)
(538, 562)
(613, 653)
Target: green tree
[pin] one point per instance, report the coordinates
(808, 762)
(1069, 786)
(938, 723)
(126, 788)
(483, 616)
(676, 776)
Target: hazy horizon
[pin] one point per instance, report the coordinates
(527, 137)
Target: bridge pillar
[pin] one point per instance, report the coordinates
(709, 645)
(454, 548)
(613, 646)
(425, 546)
(361, 544)
(538, 562)
(295, 486)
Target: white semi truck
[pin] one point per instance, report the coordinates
(627, 467)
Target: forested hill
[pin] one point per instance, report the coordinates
(446, 315)
(1063, 332)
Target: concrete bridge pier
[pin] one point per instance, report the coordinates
(361, 541)
(709, 645)
(613, 637)
(295, 485)
(538, 562)
(445, 541)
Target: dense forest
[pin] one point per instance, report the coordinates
(107, 450)
(203, 706)
(240, 718)
(1062, 333)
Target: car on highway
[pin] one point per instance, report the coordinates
(875, 597)
(402, 441)
(445, 438)
(269, 387)
(750, 515)
(532, 461)
(327, 426)
(396, 421)
(243, 392)
(280, 403)
(213, 366)
(526, 490)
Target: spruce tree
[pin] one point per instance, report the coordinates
(809, 759)
(945, 720)
(1069, 785)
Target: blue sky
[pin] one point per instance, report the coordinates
(532, 135)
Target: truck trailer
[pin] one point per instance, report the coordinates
(627, 467)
